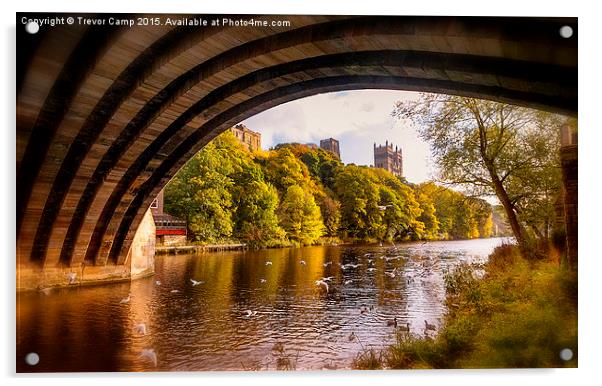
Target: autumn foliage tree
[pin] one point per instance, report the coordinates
(492, 148)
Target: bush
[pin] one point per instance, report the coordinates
(521, 313)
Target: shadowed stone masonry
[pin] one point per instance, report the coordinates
(106, 115)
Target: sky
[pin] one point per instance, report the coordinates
(356, 118)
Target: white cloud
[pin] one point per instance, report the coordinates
(356, 118)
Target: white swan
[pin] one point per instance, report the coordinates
(149, 354)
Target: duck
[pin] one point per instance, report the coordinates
(150, 355)
(71, 277)
(322, 283)
(140, 328)
(392, 323)
(352, 336)
(405, 328)
(428, 326)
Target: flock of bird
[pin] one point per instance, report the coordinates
(149, 354)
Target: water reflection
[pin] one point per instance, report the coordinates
(245, 314)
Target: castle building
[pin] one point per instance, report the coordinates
(249, 138)
(388, 158)
(332, 145)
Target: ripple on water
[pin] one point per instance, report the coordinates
(205, 327)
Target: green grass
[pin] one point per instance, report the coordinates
(522, 313)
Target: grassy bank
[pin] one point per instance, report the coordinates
(519, 314)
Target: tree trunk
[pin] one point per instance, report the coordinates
(500, 191)
(501, 194)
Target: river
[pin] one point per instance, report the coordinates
(253, 310)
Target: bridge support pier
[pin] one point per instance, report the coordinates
(140, 262)
(568, 159)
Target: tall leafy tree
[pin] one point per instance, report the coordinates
(300, 216)
(489, 148)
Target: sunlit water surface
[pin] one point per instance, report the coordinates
(294, 324)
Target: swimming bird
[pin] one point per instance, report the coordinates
(140, 328)
(158, 282)
(303, 262)
(347, 282)
(352, 336)
(249, 313)
(46, 291)
(126, 300)
(390, 274)
(323, 284)
(268, 263)
(392, 322)
(149, 354)
(428, 326)
(195, 283)
(175, 291)
(71, 277)
(371, 269)
(405, 328)
(262, 280)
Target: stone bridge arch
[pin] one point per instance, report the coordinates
(107, 115)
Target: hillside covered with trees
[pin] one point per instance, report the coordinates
(295, 195)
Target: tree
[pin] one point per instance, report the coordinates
(489, 148)
(358, 193)
(200, 193)
(300, 216)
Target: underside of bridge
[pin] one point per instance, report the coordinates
(106, 115)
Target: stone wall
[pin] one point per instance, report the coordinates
(568, 159)
(142, 253)
(140, 263)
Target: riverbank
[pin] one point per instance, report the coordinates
(240, 246)
(518, 314)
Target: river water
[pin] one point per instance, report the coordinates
(294, 323)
